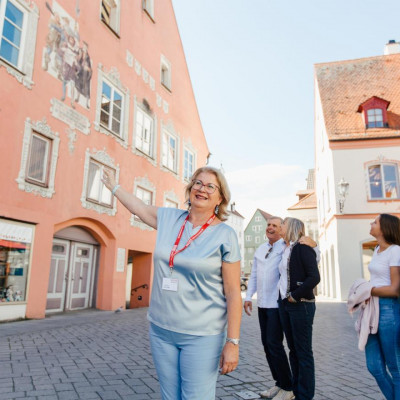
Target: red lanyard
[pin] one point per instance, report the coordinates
(174, 250)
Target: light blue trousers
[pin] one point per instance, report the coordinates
(186, 365)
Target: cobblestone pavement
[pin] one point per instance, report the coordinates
(106, 355)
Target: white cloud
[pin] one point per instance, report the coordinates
(270, 187)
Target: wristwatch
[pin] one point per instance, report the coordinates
(233, 341)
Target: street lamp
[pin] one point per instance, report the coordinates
(343, 190)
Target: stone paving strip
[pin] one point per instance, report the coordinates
(106, 355)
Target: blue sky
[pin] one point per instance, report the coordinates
(251, 64)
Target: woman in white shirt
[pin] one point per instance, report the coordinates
(383, 348)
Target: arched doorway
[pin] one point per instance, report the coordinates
(73, 270)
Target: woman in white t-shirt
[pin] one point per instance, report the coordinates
(383, 348)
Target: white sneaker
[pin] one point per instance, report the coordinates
(284, 395)
(270, 393)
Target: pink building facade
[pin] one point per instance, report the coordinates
(87, 86)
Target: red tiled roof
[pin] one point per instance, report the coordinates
(236, 213)
(264, 214)
(344, 85)
(309, 201)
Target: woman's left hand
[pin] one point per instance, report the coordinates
(229, 358)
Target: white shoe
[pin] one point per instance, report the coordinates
(270, 393)
(284, 395)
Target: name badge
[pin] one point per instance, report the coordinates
(170, 284)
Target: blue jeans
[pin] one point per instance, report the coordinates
(272, 340)
(186, 365)
(297, 321)
(383, 349)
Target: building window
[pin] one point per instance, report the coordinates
(18, 26)
(375, 118)
(96, 190)
(165, 73)
(12, 32)
(170, 204)
(383, 181)
(38, 159)
(248, 238)
(145, 195)
(257, 219)
(145, 191)
(374, 111)
(111, 109)
(257, 239)
(15, 251)
(144, 132)
(95, 196)
(148, 6)
(188, 167)
(169, 151)
(110, 14)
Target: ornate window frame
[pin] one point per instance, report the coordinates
(23, 73)
(188, 147)
(145, 108)
(116, 28)
(171, 196)
(45, 130)
(144, 183)
(381, 160)
(102, 157)
(169, 129)
(166, 73)
(112, 78)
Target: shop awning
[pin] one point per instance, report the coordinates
(13, 245)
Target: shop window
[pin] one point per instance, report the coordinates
(15, 251)
(96, 190)
(148, 6)
(39, 159)
(110, 14)
(166, 73)
(188, 167)
(18, 26)
(383, 181)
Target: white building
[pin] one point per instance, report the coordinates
(357, 148)
(306, 208)
(235, 220)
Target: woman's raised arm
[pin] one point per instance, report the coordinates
(147, 213)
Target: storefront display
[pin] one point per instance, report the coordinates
(15, 251)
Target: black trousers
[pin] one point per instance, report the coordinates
(297, 321)
(272, 340)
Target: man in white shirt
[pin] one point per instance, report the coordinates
(264, 281)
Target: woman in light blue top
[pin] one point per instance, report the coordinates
(195, 307)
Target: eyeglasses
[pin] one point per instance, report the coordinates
(268, 252)
(210, 188)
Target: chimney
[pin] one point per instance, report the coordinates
(391, 47)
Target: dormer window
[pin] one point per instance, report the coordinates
(374, 112)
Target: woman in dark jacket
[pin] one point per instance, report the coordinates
(299, 276)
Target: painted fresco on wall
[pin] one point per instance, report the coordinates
(66, 56)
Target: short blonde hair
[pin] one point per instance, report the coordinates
(224, 189)
(295, 229)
